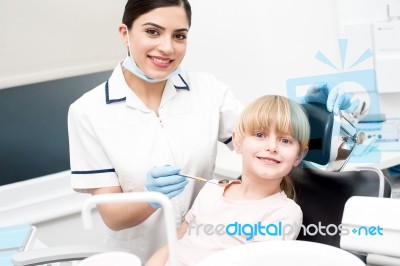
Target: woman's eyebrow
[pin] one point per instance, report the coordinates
(161, 27)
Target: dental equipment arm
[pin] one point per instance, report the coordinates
(79, 252)
(156, 197)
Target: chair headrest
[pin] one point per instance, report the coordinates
(321, 123)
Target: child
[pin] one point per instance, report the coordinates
(272, 136)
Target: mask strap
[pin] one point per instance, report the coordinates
(129, 42)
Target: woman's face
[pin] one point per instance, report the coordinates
(158, 40)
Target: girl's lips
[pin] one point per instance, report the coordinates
(268, 160)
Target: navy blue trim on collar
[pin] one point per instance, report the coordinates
(186, 87)
(93, 172)
(108, 100)
(228, 140)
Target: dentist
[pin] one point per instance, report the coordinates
(151, 121)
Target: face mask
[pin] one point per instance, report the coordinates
(130, 64)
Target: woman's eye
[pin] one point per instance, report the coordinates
(180, 37)
(152, 32)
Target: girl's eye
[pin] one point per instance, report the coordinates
(286, 141)
(152, 32)
(260, 135)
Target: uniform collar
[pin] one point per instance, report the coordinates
(117, 90)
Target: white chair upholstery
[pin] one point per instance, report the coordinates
(376, 225)
(282, 253)
(112, 258)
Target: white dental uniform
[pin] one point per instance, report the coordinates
(115, 139)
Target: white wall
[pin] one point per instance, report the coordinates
(42, 40)
(356, 20)
(255, 46)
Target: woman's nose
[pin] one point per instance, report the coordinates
(166, 45)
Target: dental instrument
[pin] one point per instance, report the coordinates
(222, 182)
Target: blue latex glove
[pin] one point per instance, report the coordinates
(166, 180)
(335, 99)
(353, 107)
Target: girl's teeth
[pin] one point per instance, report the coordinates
(269, 160)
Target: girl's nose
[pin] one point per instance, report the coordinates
(271, 145)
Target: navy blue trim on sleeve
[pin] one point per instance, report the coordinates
(108, 100)
(93, 172)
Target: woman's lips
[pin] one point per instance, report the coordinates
(161, 62)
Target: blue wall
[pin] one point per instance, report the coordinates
(33, 126)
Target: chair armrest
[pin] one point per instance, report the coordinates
(380, 260)
(58, 254)
(382, 178)
(372, 226)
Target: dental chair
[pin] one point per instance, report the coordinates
(323, 189)
(323, 193)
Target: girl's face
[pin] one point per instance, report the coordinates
(158, 40)
(268, 155)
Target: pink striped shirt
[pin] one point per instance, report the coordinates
(217, 223)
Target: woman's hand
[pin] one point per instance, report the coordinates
(166, 180)
(334, 98)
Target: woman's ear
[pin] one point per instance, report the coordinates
(236, 144)
(123, 31)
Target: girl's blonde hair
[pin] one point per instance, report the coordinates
(288, 117)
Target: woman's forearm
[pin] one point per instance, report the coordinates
(119, 216)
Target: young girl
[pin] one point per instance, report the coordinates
(272, 136)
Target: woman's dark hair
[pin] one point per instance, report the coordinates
(136, 8)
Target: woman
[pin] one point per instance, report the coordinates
(147, 123)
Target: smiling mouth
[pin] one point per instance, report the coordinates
(163, 61)
(268, 160)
